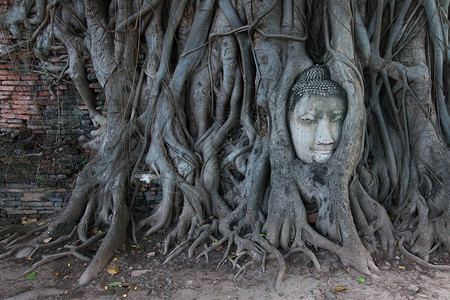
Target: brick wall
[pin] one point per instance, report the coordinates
(41, 120)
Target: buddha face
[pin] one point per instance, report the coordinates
(315, 124)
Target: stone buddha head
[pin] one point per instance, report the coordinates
(316, 110)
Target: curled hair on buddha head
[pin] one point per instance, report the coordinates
(314, 81)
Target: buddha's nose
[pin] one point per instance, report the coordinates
(323, 133)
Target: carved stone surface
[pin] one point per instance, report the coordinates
(315, 112)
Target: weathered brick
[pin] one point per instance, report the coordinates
(13, 211)
(29, 77)
(23, 88)
(8, 77)
(7, 88)
(8, 116)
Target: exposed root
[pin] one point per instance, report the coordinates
(418, 260)
(37, 293)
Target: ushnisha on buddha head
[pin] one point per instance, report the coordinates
(316, 110)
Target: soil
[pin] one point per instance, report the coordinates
(142, 267)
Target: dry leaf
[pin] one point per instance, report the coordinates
(47, 240)
(339, 288)
(401, 267)
(115, 259)
(113, 270)
(28, 221)
(95, 231)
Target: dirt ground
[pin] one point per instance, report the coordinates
(142, 267)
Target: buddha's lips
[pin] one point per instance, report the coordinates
(323, 151)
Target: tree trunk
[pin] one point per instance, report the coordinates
(196, 93)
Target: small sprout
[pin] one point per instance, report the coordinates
(31, 276)
(41, 177)
(362, 280)
(215, 242)
(262, 234)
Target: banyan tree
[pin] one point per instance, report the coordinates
(275, 127)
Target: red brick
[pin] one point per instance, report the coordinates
(23, 97)
(8, 116)
(23, 117)
(8, 77)
(44, 93)
(6, 66)
(27, 112)
(23, 88)
(15, 125)
(62, 87)
(28, 77)
(15, 106)
(94, 86)
(7, 88)
(4, 105)
(20, 102)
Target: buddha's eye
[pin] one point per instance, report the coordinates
(308, 119)
(337, 118)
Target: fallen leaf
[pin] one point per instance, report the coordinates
(113, 270)
(115, 259)
(363, 280)
(95, 231)
(401, 267)
(47, 240)
(219, 248)
(28, 221)
(119, 284)
(42, 223)
(31, 276)
(339, 288)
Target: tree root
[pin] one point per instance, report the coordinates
(418, 260)
(35, 294)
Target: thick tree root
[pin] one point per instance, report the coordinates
(35, 294)
(418, 260)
